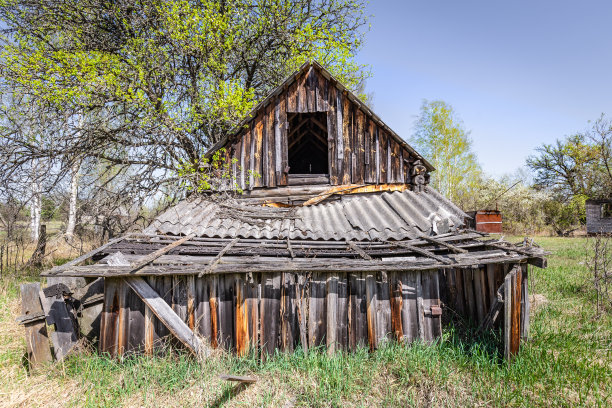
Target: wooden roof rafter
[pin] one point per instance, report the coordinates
(206, 255)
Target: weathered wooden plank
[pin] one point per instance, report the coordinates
(383, 309)
(332, 123)
(202, 311)
(166, 283)
(191, 301)
(507, 315)
(383, 159)
(491, 288)
(342, 314)
(253, 297)
(237, 378)
(284, 144)
(179, 296)
(371, 308)
(426, 290)
(64, 337)
(226, 311)
(398, 175)
(357, 317)
(153, 256)
(367, 150)
(266, 150)
(302, 307)
(110, 313)
(420, 306)
(164, 313)
(215, 261)
(395, 289)
(444, 244)
(241, 318)
(410, 320)
(357, 249)
(436, 320)
(288, 312)
(136, 322)
(322, 94)
(251, 139)
(311, 103)
(151, 323)
(421, 251)
(525, 303)
(516, 310)
(302, 103)
(270, 312)
(259, 152)
(479, 301)
(292, 98)
(37, 340)
(331, 303)
(346, 140)
(468, 292)
(213, 301)
(460, 305)
(272, 156)
(316, 311)
(149, 330)
(359, 147)
(278, 170)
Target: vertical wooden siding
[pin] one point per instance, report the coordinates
(471, 292)
(341, 311)
(359, 151)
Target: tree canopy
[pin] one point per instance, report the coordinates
(130, 91)
(440, 136)
(579, 165)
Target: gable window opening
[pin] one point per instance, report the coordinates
(606, 210)
(307, 143)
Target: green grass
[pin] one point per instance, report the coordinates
(566, 363)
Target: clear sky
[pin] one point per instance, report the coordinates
(518, 73)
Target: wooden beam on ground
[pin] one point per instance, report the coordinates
(453, 248)
(360, 251)
(238, 378)
(153, 256)
(167, 316)
(217, 259)
(421, 251)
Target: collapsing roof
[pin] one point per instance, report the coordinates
(383, 216)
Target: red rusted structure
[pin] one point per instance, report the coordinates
(489, 221)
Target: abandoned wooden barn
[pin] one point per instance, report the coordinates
(340, 244)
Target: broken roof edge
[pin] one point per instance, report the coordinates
(352, 97)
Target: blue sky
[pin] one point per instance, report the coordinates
(518, 73)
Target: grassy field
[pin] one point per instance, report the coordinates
(567, 363)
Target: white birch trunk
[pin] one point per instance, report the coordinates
(72, 208)
(35, 208)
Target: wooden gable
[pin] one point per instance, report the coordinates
(360, 148)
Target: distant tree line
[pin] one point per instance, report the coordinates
(548, 195)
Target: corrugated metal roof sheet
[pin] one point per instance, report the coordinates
(361, 217)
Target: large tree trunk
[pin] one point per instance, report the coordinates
(72, 209)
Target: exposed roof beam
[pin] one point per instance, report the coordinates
(217, 258)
